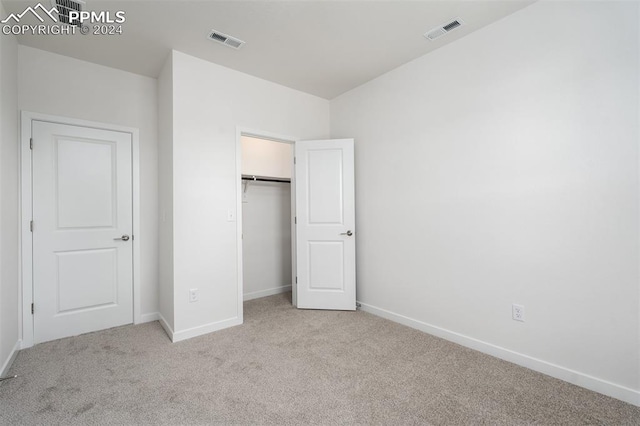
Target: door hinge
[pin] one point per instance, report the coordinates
(31, 226)
(294, 160)
(30, 143)
(296, 280)
(33, 309)
(295, 220)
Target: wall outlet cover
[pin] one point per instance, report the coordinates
(193, 295)
(517, 312)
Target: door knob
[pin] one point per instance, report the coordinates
(348, 233)
(125, 237)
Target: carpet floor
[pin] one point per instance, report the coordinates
(288, 367)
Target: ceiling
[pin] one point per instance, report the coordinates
(324, 48)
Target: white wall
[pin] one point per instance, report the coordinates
(261, 157)
(165, 190)
(266, 219)
(210, 103)
(58, 85)
(9, 223)
(502, 169)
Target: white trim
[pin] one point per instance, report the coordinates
(165, 325)
(4, 371)
(154, 316)
(196, 331)
(294, 236)
(26, 271)
(137, 228)
(243, 131)
(177, 336)
(577, 378)
(267, 292)
(638, 398)
(239, 284)
(26, 246)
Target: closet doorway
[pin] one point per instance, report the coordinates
(266, 216)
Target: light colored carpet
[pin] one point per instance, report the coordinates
(288, 366)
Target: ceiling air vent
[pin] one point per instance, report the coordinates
(443, 29)
(225, 39)
(64, 7)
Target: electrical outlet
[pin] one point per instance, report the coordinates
(193, 295)
(517, 312)
(231, 215)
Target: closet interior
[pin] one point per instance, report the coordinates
(266, 217)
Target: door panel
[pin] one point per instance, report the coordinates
(86, 279)
(91, 201)
(325, 211)
(325, 189)
(82, 202)
(326, 265)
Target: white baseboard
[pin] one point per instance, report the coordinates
(177, 336)
(12, 357)
(154, 316)
(165, 325)
(575, 377)
(265, 293)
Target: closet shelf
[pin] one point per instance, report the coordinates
(265, 179)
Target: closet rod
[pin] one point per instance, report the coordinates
(264, 179)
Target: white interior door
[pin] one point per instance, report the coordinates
(325, 231)
(82, 230)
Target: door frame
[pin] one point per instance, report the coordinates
(26, 195)
(260, 134)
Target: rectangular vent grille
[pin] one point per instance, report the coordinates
(225, 39)
(452, 25)
(218, 37)
(64, 7)
(443, 29)
(434, 34)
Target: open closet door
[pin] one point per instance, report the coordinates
(325, 225)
